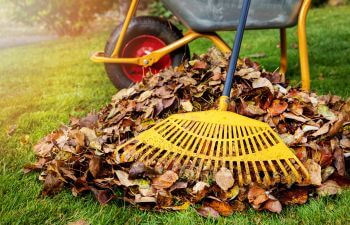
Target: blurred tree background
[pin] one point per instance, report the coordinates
(72, 17)
(66, 17)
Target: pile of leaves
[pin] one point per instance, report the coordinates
(81, 156)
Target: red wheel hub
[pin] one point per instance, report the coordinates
(141, 46)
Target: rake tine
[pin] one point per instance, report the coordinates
(262, 164)
(153, 158)
(186, 134)
(194, 146)
(268, 134)
(128, 150)
(273, 168)
(175, 134)
(207, 145)
(254, 147)
(295, 172)
(204, 143)
(189, 143)
(149, 151)
(247, 133)
(246, 140)
(268, 145)
(218, 148)
(214, 141)
(304, 170)
(239, 170)
(138, 151)
(230, 147)
(286, 174)
(191, 127)
(243, 149)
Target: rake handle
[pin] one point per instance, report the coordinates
(234, 57)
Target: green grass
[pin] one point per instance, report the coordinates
(42, 85)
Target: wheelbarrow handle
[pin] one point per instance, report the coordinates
(236, 47)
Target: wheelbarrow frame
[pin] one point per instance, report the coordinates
(155, 56)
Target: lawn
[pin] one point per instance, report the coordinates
(42, 85)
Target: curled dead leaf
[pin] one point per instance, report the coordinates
(339, 161)
(314, 171)
(224, 178)
(95, 166)
(166, 180)
(330, 187)
(277, 107)
(294, 196)
(273, 206)
(124, 178)
(223, 208)
(207, 211)
(187, 106)
(257, 196)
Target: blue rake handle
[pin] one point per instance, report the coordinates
(236, 48)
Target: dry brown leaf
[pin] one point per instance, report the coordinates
(273, 206)
(277, 107)
(165, 180)
(238, 206)
(330, 187)
(187, 106)
(339, 161)
(294, 117)
(297, 108)
(224, 178)
(123, 178)
(52, 185)
(141, 199)
(178, 185)
(323, 130)
(257, 196)
(145, 95)
(198, 64)
(43, 149)
(345, 142)
(314, 171)
(103, 196)
(223, 208)
(207, 212)
(95, 166)
(263, 82)
(137, 169)
(327, 172)
(295, 196)
(199, 186)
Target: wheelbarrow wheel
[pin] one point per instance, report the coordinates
(144, 35)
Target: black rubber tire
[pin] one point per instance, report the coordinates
(149, 25)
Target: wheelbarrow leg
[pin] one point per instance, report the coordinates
(284, 58)
(129, 15)
(303, 52)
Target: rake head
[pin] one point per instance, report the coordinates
(207, 141)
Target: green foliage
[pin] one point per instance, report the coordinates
(319, 2)
(64, 17)
(157, 8)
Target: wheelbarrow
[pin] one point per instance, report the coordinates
(149, 44)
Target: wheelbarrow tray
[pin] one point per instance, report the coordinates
(220, 15)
